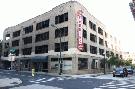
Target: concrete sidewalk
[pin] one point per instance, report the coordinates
(4, 82)
(57, 74)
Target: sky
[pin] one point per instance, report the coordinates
(114, 14)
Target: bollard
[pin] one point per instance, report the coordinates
(33, 72)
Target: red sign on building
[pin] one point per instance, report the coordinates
(79, 30)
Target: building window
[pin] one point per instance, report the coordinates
(64, 46)
(15, 43)
(42, 24)
(6, 54)
(100, 31)
(101, 41)
(16, 33)
(93, 37)
(92, 25)
(82, 63)
(93, 49)
(106, 44)
(27, 51)
(106, 35)
(107, 53)
(17, 52)
(94, 64)
(102, 63)
(101, 51)
(63, 31)
(84, 33)
(7, 36)
(6, 45)
(28, 29)
(41, 49)
(27, 40)
(121, 57)
(61, 18)
(42, 36)
(66, 61)
(84, 20)
(84, 48)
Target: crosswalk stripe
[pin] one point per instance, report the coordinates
(118, 85)
(40, 79)
(50, 79)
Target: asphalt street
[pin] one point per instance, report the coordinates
(45, 81)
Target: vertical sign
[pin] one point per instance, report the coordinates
(79, 30)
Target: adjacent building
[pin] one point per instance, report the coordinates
(129, 56)
(36, 42)
(132, 7)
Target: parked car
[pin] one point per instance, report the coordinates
(129, 69)
(120, 71)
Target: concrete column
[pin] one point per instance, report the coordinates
(89, 64)
(74, 64)
(21, 42)
(33, 37)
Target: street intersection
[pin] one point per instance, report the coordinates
(24, 80)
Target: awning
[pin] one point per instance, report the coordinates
(39, 59)
(23, 58)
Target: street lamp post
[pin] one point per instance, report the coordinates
(60, 59)
(104, 63)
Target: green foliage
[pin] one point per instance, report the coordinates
(113, 60)
(0, 46)
(119, 62)
(128, 62)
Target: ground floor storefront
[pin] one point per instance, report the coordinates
(71, 64)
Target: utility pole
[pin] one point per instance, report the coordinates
(104, 63)
(60, 59)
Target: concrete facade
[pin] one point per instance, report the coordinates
(132, 7)
(70, 57)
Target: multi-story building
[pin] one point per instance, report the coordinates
(0, 53)
(129, 56)
(36, 42)
(132, 7)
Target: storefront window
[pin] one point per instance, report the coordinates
(94, 64)
(82, 63)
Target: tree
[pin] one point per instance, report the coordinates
(128, 62)
(121, 62)
(113, 60)
(0, 48)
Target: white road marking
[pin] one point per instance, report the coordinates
(36, 82)
(103, 86)
(32, 81)
(59, 78)
(36, 86)
(132, 87)
(40, 79)
(112, 87)
(43, 81)
(50, 79)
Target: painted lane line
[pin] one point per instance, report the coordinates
(40, 79)
(50, 79)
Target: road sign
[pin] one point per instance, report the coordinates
(12, 50)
